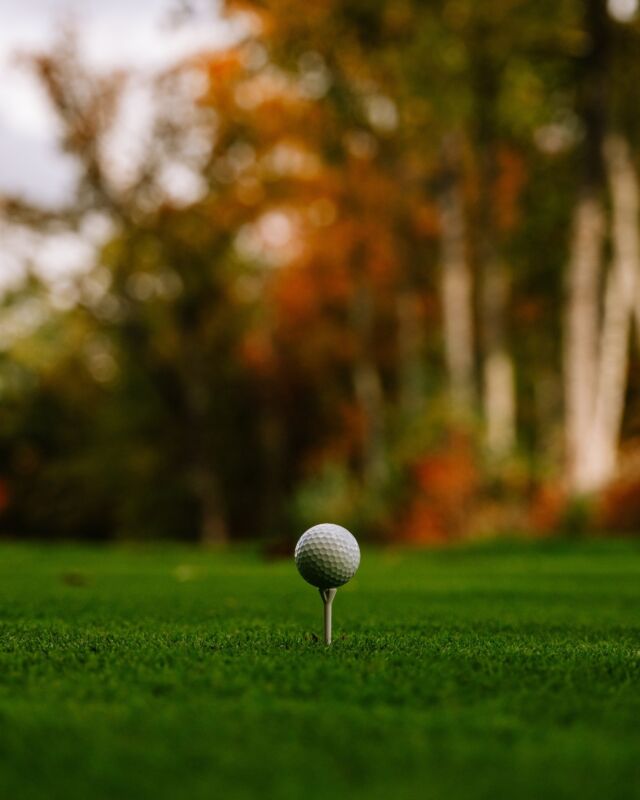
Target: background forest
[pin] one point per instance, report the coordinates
(377, 263)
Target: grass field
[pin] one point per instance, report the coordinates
(495, 672)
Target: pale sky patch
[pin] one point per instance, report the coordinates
(142, 37)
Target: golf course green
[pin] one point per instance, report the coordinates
(494, 671)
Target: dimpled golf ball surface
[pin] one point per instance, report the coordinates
(327, 556)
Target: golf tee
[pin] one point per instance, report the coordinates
(327, 598)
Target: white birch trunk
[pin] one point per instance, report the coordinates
(636, 314)
(600, 455)
(581, 334)
(499, 402)
(456, 299)
(499, 397)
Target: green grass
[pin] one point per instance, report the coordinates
(500, 672)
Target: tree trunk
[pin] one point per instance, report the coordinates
(581, 334)
(213, 525)
(205, 480)
(636, 314)
(456, 292)
(368, 389)
(601, 453)
(498, 383)
(582, 320)
(497, 369)
(273, 439)
(410, 338)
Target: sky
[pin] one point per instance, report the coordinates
(141, 35)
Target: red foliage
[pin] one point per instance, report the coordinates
(619, 507)
(256, 351)
(296, 297)
(509, 183)
(547, 508)
(5, 495)
(446, 482)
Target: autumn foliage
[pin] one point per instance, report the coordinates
(356, 311)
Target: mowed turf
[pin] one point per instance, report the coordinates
(491, 672)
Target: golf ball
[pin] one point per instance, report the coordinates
(327, 556)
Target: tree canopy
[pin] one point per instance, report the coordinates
(400, 291)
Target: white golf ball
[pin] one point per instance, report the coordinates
(327, 556)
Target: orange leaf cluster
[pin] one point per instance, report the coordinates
(446, 481)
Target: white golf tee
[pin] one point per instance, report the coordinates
(327, 596)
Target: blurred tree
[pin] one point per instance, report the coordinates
(334, 282)
(163, 324)
(600, 307)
